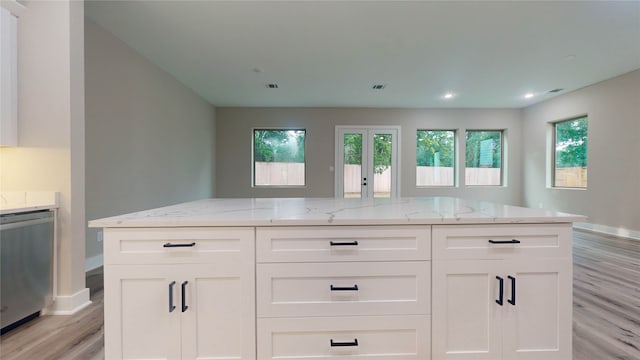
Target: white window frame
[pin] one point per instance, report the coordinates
(503, 157)
(253, 161)
(551, 154)
(456, 167)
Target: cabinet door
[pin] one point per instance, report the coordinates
(218, 313)
(466, 318)
(138, 321)
(538, 326)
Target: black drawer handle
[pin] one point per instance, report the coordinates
(512, 301)
(340, 288)
(170, 245)
(184, 296)
(501, 294)
(514, 241)
(171, 306)
(343, 243)
(337, 344)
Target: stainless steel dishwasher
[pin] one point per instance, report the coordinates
(26, 245)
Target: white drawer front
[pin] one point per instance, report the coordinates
(380, 337)
(177, 245)
(501, 241)
(334, 289)
(343, 243)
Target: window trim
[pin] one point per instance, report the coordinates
(503, 160)
(456, 168)
(253, 161)
(553, 155)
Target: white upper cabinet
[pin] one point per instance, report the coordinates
(8, 76)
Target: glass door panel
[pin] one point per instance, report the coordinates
(352, 166)
(382, 159)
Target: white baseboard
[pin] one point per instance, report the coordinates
(71, 304)
(609, 230)
(93, 262)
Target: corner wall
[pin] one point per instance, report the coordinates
(50, 155)
(149, 139)
(612, 199)
(234, 129)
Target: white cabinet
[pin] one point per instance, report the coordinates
(344, 292)
(502, 304)
(396, 292)
(341, 289)
(186, 309)
(341, 338)
(8, 78)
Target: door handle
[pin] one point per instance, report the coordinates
(512, 301)
(501, 294)
(184, 296)
(171, 306)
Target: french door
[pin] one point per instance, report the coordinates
(366, 162)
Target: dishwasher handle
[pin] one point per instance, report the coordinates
(21, 224)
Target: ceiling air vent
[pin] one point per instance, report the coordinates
(554, 91)
(272, 86)
(379, 86)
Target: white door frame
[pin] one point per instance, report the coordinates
(367, 132)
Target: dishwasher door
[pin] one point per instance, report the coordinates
(26, 246)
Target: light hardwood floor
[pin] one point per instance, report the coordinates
(606, 297)
(606, 310)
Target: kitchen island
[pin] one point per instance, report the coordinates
(325, 278)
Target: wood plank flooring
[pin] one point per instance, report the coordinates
(606, 297)
(78, 336)
(606, 310)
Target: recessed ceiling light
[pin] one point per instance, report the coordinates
(272, 86)
(449, 95)
(528, 95)
(379, 86)
(554, 91)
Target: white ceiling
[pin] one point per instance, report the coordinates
(331, 53)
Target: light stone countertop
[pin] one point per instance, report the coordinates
(12, 202)
(333, 211)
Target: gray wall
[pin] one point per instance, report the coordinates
(234, 132)
(149, 139)
(612, 199)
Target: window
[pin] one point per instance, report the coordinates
(435, 157)
(570, 153)
(278, 157)
(483, 164)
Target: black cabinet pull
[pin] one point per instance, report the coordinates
(343, 243)
(170, 245)
(171, 306)
(184, 296)
(512, 301)
(514, 241)
(501, 295)
(340, 288)
(337, 344)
